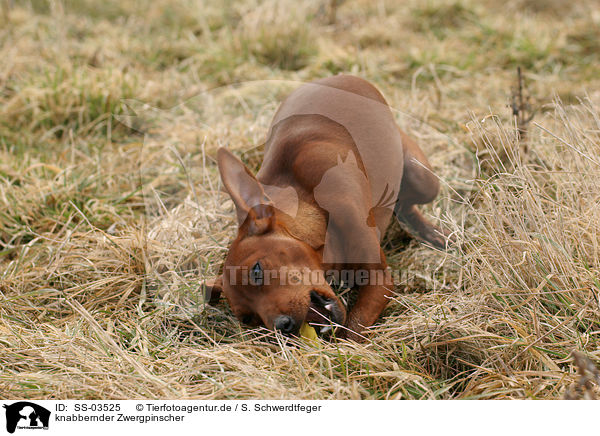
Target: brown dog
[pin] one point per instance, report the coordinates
(335, 169)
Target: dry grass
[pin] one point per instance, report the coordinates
(106, 233)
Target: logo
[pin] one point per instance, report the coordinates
(26, 415)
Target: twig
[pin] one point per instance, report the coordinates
(521, 109)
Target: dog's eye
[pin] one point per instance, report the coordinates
(256, 275)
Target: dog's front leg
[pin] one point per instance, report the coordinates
(372, 299)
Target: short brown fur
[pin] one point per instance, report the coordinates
(333, 154)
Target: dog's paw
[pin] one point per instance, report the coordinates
(211, 290)
(351, 335)
(350, 332)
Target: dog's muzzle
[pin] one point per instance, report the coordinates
(325, 313)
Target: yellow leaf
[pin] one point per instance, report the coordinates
(308, 332)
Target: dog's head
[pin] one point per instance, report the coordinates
(270, 277)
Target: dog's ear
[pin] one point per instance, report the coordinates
(246, 192)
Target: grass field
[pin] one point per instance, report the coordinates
(111, 212)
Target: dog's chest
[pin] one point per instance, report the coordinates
(309, 224)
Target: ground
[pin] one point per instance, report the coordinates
(111, 212)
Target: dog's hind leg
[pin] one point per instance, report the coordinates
(418, 226)
(419, 186)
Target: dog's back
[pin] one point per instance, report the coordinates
(334, 116)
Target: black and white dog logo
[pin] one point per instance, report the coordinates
(26, 415)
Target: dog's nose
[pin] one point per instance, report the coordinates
(285, 323)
